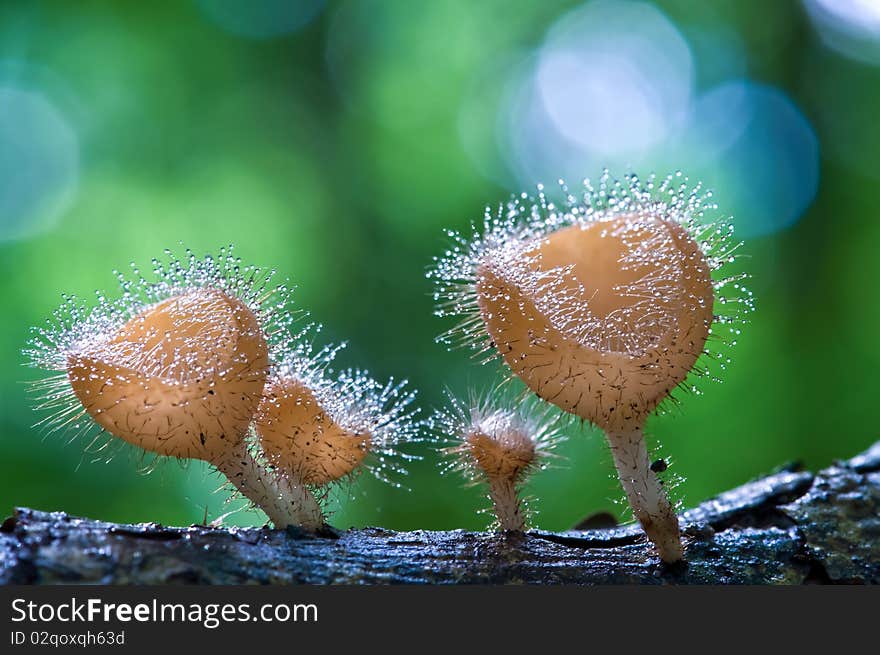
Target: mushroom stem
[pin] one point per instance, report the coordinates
(645, 494)
(505, 502)
(283, 497)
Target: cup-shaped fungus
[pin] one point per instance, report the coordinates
(499, 445)
(175, 367)
(317, 428)
(602, 306)
(180, 378)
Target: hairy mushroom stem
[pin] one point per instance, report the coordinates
(282, 496)
(506, 504)
(498, 443)
(178, 369)
(604, 320)
(602, 305)
(645, 493)
(180, 365)
(317, 431)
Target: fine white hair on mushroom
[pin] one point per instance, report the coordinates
(326, 427)
(505, 243)
(190, 349)
(602, 305)
(498, 442)
(177, 367)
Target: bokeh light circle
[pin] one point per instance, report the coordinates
(851, 27)
(610, 84)
(751, 143)
(615, 76)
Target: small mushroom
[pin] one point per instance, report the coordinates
(175, 367)
(602, 306)
(318, 429)
(499, 445)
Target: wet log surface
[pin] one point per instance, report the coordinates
(791, 527)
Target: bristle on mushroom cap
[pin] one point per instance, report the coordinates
(299, 435)
(490, 439)
(506, 454)
(603, 320)
(175, 366)
(179, 379)
(602, 305)
(322, 427)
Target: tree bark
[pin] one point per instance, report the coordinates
(790, 527)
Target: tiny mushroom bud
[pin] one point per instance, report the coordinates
(317, 428)
(175, 367)
(498, 445)
(602, 306)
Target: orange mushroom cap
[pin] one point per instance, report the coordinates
(299, 435)
(602, 319)
(181, 378)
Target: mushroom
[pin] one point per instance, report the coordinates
(177, 368)
(318, 429)
(601, 306)
(499, 445)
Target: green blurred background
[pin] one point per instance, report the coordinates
(336, 141)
